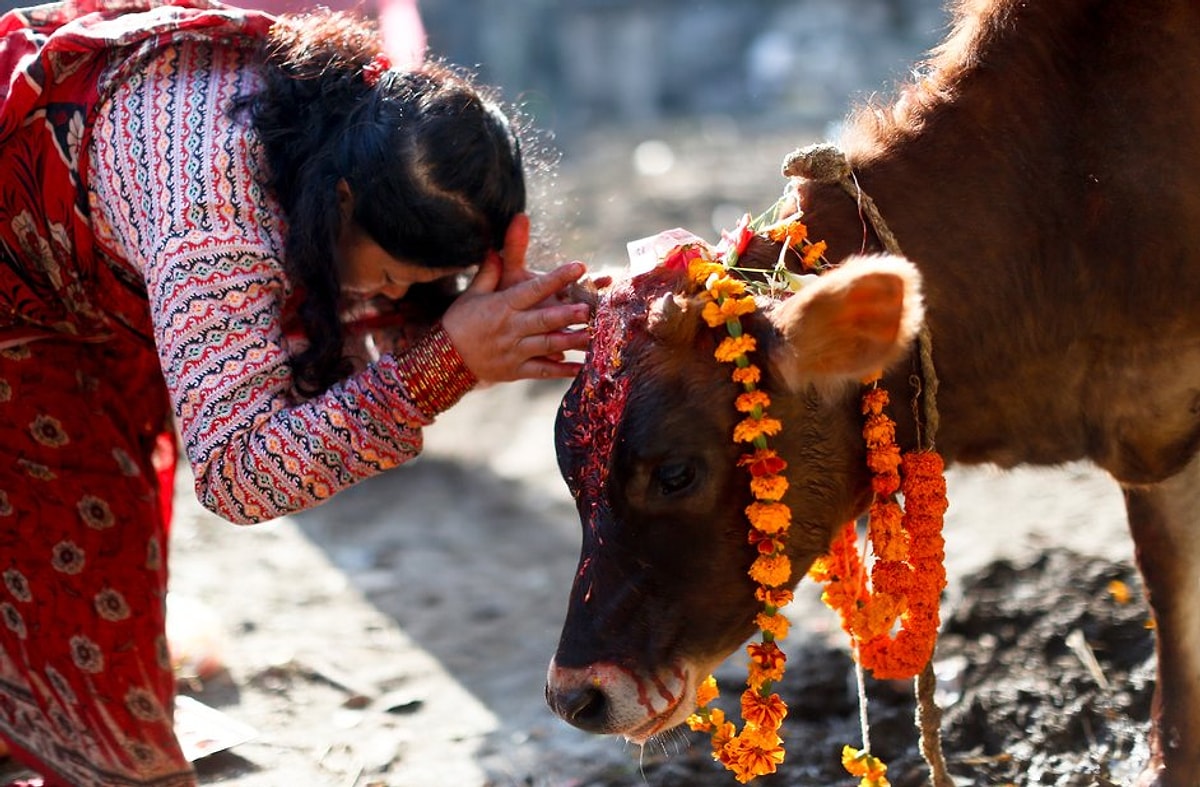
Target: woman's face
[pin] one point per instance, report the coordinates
(367, 271)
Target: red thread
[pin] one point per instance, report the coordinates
(375, 69)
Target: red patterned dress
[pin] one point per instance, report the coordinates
(141, 290)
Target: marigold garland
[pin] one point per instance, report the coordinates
(757, 749)
(907, 576)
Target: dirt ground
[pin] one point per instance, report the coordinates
(399, 635)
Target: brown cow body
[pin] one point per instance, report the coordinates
(1044, 179)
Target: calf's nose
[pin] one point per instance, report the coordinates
(578, 697)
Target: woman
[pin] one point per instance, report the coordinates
(192, 199)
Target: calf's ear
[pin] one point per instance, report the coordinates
(849, 323)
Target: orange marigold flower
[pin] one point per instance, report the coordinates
(776, 625)
(699, 723)
(763, 462)
(887, 536)
(769, 487)
(766, 655)
(884, 459)
(717, 314)
(874, 400)
(770, 518)
(732, 347)
(925, 545)
(745, 403)
(771, 570)
(790, 230)
(706, 692)
(879, 430)
(900, 658)
(723, 734)
(924, 464)
(775, 597)
(893, 576)
(750, 428)
(821, 570)
(701, 268)
(747, 375)
(766, 713)
(762, 737)
(885, 484)
(749, 757)
(876, 617)
(813, 254)
(757, 676)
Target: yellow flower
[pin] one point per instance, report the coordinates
(731, 347)
(706, 692)
(745, 403)
(723, 286)
(750, 428)
(700, 269)
(771, 570)
(717, 314)
(769, 487)
(864, 764)
(770, 518)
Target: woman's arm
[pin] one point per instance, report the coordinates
(176, 187)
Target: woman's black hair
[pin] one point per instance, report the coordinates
(432, 160)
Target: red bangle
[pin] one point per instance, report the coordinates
(433, 373)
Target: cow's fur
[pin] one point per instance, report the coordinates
(1042, 178)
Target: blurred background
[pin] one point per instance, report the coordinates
(641, 90)
(689, 104)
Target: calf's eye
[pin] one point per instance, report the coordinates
(674, 477)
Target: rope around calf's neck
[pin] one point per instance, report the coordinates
(824, 163)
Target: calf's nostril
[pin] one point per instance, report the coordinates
(585, 707)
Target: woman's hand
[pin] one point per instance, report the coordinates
(511, 323)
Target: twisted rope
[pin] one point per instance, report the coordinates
(824, 163)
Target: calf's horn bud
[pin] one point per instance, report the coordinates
(668, 320)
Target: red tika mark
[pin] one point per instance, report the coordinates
(594, 407)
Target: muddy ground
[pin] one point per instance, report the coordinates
(399, 635)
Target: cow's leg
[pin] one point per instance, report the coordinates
(1165, 522)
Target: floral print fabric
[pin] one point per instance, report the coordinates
(135, 238)
(86, 688)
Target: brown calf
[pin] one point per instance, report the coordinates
(1043, 179)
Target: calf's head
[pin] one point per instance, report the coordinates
(662, 595)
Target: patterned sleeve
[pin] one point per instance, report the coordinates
(175, 189)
